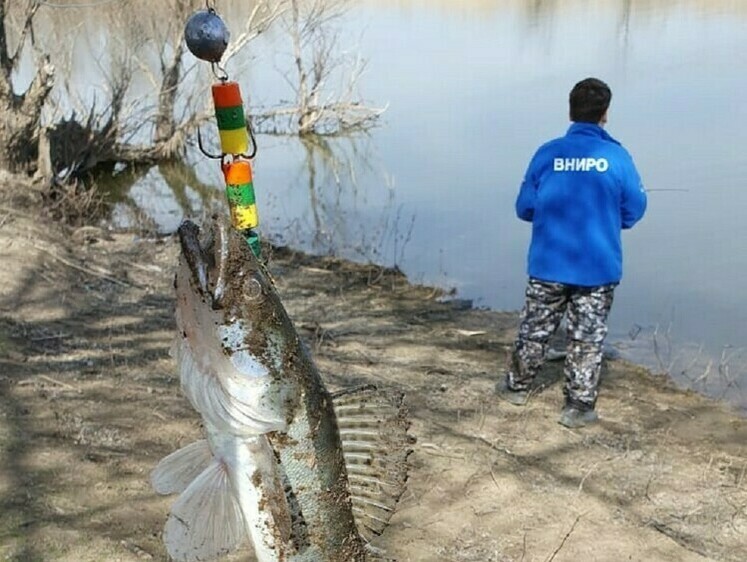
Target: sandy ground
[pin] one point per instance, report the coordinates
(89, 402)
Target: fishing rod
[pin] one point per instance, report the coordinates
(207, 36)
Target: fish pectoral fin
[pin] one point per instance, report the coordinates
(175, 472)
(226, 401)
(373, 428)
(205, 522)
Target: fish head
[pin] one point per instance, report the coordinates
(232, 324)
(231, 295)
(223, 269)
(229, 278)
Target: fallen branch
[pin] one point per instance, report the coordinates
(144, 267)
(495, 481)
(565, 538)
(593, 467)
(17, 213)
(677, 537)
(27, 382)
(50, 337)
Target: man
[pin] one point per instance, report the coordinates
(579, 192)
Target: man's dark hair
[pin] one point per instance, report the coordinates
(589, 100)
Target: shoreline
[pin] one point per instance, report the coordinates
(614, 349)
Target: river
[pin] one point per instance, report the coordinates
(471, 89)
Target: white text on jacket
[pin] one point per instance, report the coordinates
(580, 164)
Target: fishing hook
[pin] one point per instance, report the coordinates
(202, 148)
(253, 153)
(247, 156)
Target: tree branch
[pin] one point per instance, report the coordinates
(40, 87)
(254, 26)
(4, 58)
(27, 29)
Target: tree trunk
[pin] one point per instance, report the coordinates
(165, 122)
(20, 121)
(20, 114)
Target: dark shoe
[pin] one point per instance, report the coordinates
(574, 417)
(515, 397)
(555, 354)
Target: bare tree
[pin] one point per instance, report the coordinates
(319, 109)
(59, 140)
(181, 108)
(20, 112)
(141, 43)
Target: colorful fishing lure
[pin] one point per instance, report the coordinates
(207, 37)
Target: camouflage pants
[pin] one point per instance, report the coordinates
(588, 308)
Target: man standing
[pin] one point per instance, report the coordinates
(579, 192)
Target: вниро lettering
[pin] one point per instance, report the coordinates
(580, 164)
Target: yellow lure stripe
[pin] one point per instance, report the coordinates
(235, 141)
(244, 217)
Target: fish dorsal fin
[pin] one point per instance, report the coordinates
(373, 429)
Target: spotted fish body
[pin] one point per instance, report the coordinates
(273, 469)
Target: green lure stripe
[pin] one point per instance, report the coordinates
(241, 194)
(230, 118)
(252, 238)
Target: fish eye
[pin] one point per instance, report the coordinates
(252, 288)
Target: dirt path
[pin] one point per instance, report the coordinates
(89, 402)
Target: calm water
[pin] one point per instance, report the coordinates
(472, 89)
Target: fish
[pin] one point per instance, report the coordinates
(295, 472)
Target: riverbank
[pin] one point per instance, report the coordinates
(90, 402)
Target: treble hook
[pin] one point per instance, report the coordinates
(247, 156)
(202, 148)
(253, 153)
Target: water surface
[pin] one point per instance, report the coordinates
(474, 88)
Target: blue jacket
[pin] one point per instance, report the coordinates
(579, 192)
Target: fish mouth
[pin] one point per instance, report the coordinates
(206, 260)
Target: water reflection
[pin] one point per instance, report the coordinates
(542, 9)
(157, 198)
(332, 197)
(494, 88)
(349, 204)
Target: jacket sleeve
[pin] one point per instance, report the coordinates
(633, 200)
(527, 198)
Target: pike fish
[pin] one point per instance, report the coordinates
(296, 473)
